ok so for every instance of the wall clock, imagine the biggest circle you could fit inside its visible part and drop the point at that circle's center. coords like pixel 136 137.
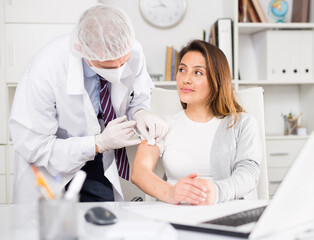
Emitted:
pixel 163 13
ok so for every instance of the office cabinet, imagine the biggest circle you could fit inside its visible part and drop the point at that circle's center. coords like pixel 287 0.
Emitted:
pixel 6 173
pixel 3 193
pixel 2 175
pixel 9 156
pixel 3 115
pixel 45 11
pixel 10 88
pixel 10 159
pixel 2 160
pixel 280 155
pixel 10 182
pixel 23 41
pixel 275 176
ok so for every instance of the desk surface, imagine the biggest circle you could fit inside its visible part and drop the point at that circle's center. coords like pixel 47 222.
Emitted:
pixel 21 222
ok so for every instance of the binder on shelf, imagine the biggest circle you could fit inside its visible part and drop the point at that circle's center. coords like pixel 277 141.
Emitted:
pixel 224 39
pixel 281 63
pixel 300 11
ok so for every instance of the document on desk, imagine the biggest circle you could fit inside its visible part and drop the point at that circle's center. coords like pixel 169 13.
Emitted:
pixel 187 214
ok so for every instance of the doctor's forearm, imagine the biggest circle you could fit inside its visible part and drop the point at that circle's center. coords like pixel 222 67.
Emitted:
pixel 54 154
pixel 69 155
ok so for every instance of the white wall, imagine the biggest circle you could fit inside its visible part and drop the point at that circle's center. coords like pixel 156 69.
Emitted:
pixel 200 14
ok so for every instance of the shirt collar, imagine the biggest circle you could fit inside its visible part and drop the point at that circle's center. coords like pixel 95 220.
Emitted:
pixel 88 72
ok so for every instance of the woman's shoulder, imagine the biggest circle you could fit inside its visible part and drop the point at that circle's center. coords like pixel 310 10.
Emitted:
pixel 242 117
pixel 246 117
pixel 244 120
pixel 246 123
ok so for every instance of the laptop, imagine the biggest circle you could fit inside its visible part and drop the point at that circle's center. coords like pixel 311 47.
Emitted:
pixel 292 204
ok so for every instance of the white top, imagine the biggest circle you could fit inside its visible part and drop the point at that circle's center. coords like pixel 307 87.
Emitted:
pixel 227 154
pixel 193 156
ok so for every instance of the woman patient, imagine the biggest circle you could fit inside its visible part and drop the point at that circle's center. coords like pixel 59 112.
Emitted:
pixel 212 152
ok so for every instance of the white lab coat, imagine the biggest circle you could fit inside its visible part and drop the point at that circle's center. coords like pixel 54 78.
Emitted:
pixel 53 123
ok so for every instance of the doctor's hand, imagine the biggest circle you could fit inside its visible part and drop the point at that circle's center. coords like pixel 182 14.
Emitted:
pixel 188 190
pixel 152 127
pixel 116 135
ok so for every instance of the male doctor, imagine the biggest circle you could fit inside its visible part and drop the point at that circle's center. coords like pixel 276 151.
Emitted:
pixel 74 108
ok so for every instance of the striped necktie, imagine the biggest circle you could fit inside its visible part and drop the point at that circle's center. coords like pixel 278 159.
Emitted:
pixel 107 115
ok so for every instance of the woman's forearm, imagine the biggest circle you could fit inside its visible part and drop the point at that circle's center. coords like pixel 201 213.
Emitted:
pixel 143 176
pixel 151 184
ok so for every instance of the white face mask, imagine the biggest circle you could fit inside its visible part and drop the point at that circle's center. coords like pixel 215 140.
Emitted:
pixel 112 75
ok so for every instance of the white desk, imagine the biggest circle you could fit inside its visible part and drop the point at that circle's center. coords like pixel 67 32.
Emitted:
pixel 20 222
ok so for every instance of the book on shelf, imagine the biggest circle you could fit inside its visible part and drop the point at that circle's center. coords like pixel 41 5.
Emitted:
pixel 168 63
pixel 172 62
pixel 300 10
pixel 251 11
pixel 212 38
pixel 222 36
pixel 176 65
pixel 258 9
pixel 243 11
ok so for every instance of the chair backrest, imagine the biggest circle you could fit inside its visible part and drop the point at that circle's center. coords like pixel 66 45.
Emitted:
pixel 166 102
pixel 252 100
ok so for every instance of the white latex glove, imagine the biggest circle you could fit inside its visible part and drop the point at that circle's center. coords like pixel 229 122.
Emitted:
pixel 117 135
pixel 152 127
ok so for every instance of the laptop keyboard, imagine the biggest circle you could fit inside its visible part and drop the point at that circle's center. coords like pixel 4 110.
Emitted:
pixel 240 218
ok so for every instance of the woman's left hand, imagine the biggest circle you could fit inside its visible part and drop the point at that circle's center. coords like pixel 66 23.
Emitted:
pixel 210 191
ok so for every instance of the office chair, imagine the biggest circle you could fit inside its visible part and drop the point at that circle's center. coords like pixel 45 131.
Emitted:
pixel 166 102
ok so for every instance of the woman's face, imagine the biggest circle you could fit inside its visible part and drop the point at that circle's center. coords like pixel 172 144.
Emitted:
pixel 192 83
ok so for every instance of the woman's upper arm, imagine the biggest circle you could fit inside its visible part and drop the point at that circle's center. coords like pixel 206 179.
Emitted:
pixel 249 142
pixel 146 156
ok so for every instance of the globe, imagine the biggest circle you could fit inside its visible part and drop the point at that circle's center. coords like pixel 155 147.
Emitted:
pixel 278 9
